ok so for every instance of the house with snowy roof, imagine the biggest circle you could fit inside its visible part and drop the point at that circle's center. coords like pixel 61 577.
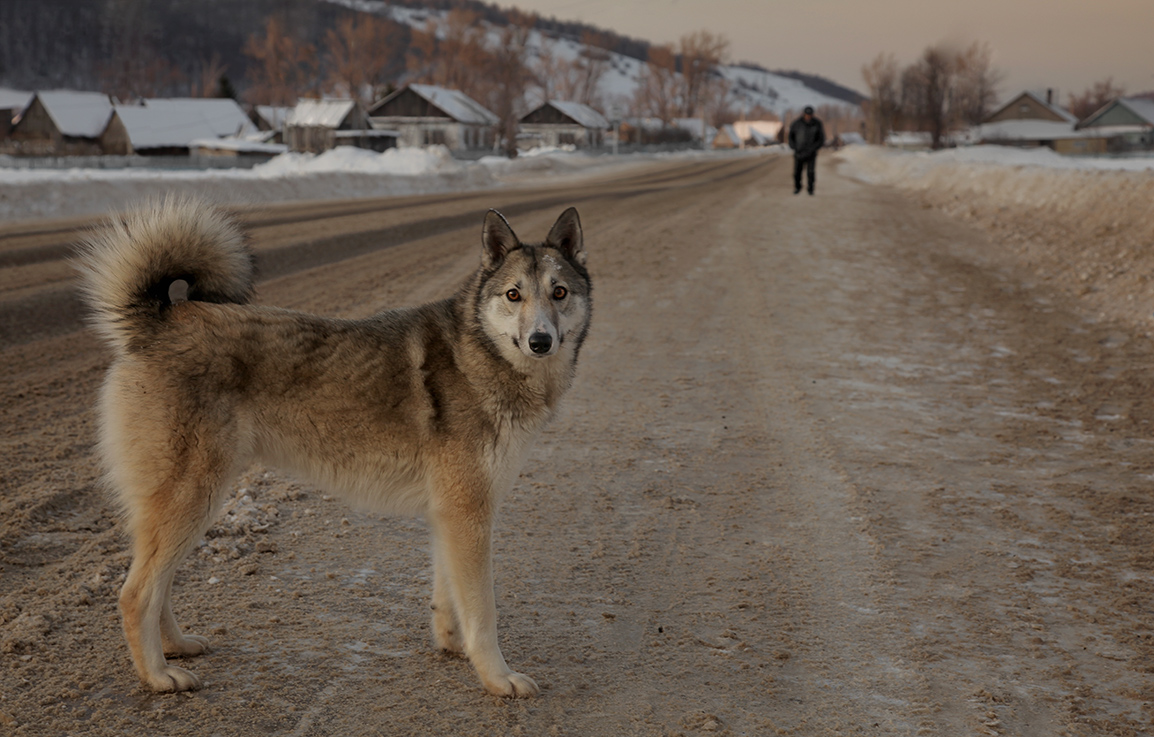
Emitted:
pixel 1127 122
pixel 271 119
pixel 426 115
pixel 1030 106
pixel 168 126
pixel 61 123
pixel 315 126
pixel 1028 120
pixel 562 123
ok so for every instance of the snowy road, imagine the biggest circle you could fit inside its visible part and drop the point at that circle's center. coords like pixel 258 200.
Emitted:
pixel 833 465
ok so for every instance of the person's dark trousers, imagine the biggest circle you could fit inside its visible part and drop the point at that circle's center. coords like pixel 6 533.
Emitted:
pixel 809 164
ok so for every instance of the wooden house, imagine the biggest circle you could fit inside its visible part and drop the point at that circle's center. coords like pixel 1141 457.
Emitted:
pixel 1127 124
pixel 315 126
pixel 62 123
pixel 727 138
pixel 271 119
pixel 168 126
pixel 425 115
pixel 561 123
pixel 1029 106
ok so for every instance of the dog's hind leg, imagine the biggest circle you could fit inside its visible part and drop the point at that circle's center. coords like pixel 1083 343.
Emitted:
pixel 462 522
pixel 165 526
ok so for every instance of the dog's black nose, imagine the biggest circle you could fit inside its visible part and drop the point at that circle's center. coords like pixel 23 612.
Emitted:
pixel 540 342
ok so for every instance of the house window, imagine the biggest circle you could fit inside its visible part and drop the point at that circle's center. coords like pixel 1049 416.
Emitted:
pixel 435 137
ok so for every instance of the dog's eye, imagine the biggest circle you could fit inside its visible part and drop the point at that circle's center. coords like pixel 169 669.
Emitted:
pixel 560 292
pixel 513 295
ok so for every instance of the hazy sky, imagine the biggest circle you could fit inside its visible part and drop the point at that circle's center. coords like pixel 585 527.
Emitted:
pixel 1063 44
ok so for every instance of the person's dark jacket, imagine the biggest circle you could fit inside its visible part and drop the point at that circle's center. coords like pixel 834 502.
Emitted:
pixel 806 138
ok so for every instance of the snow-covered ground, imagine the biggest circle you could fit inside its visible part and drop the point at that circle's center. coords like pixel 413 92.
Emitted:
pixel 345 172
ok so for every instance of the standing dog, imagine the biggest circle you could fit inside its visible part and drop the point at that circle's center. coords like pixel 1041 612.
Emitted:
pixel 428 410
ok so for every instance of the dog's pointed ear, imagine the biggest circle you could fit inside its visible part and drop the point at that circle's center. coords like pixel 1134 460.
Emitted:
pixel 497 239
pixel 566 236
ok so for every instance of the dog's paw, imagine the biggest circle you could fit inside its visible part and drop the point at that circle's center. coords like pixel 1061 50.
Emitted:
pixel 513 686
pixel 173 679
pixel 446 637
pixel 186 646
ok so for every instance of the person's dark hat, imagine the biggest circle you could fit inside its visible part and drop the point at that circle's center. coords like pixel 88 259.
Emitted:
pixel 808 110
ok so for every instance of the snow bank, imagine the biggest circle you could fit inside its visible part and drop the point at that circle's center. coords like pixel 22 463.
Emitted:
pixel 344 172
pixel 1085 225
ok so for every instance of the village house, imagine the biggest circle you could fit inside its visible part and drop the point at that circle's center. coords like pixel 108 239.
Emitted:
pixel 62 123
pixel 315 126
pixel 1126 124
pixel 271 119
pixel 167 127
pixel 425 115
pixel 561 123
pixel 727 138
pixel 1028 120
pixel 759 132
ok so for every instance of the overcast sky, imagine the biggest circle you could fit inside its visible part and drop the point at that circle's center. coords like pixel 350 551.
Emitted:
pixel 1063 44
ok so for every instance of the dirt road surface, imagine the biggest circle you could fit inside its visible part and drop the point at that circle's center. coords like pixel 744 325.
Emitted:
pixel 832 465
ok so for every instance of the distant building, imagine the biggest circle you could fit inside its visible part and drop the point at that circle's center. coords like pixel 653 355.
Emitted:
pixel 1127 122
pixel 271 119
pixel 315 126
pixel 61 123
pixel 168 126
pixel 727 137
pixel 425 115
pixel 759 132
pixel 561 123
pixel 1029 106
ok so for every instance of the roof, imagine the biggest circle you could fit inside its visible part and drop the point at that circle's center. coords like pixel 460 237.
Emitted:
pixel 164 123
pixel 1058 110
pixel 1025 130
pixel 221 114
pixel 323 113
pixel 456 104
pixel 1141 107
pixel 239 145
pixel 273 115
pixel 78 114
pixel 14 99
pixel 583 115
pixel 761 131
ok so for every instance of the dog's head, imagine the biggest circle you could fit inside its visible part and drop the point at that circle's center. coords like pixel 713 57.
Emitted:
pixel 535 299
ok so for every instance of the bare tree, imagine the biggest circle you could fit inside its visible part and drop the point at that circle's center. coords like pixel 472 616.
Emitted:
pixel 977 83
pixel 207 80
pixel 285 66
pixel 504 80
pixel 700 52
pixel 360 51
pixel 1094 97
pixel 881 109
pixel 927 92
pixel 659 92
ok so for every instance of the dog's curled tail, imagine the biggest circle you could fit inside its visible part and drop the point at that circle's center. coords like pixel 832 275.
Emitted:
pixel 132 269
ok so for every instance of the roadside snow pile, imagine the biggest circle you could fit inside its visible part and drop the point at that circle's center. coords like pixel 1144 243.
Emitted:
pixel 1085 223
pixel 342 173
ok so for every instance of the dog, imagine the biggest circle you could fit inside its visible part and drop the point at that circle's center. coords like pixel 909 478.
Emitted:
pixel 428 410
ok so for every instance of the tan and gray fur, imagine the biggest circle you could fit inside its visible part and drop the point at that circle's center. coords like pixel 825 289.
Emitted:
pixel 426 411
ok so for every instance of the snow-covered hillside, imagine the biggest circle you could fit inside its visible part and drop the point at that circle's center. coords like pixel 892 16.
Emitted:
pixel 749 89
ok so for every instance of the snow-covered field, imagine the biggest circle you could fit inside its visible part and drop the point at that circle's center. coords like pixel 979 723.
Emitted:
pixel 345 172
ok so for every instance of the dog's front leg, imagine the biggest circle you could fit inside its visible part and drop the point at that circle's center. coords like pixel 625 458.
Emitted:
pixel 462 533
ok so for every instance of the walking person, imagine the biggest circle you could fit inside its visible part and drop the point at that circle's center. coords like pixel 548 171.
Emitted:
pixel 806 136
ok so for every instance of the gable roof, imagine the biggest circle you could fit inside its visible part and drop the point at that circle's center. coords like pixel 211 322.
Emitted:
pixel 273 115
pixel 11 99
pixel 323 113
pixel 221 115
pixel 1058 110
pixel 581 114
pixel 77 114
pixel 453 103
pixel 1139 107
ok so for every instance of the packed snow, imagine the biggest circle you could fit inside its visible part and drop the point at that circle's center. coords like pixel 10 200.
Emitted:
pixel 343 172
